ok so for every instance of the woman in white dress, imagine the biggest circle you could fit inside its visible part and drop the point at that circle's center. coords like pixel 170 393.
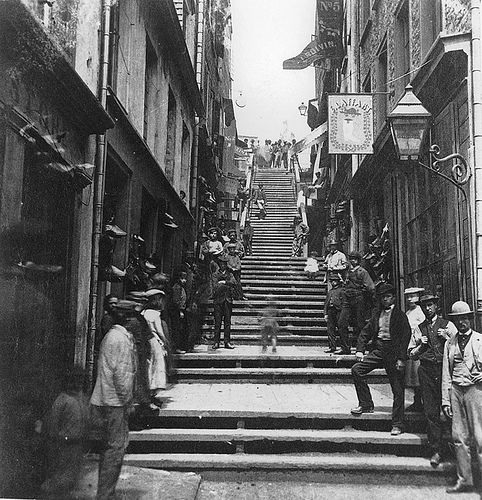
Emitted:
pixel 159 342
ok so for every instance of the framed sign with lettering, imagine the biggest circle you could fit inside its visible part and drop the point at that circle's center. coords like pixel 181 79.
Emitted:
pixel 350 124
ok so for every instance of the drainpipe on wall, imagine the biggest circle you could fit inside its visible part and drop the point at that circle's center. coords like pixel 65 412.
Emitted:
pixel 99 182
pixel 476 73
pixel 194 195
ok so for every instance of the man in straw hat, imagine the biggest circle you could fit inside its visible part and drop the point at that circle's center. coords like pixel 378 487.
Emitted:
pixel 426 348
pixel 462 393
pixel 415 317
pixel 335 260
pixel 388 333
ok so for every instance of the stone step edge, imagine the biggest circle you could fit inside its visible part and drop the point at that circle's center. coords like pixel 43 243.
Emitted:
pixel 307 435
pixel 344 416
pixel 333 463
pixel 287 372
pixel 222 355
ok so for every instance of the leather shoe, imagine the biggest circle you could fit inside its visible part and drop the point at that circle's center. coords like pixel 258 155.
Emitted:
pixel 228 345
pixel 460 487
pixel 215 346
pixel 329 350
pixel 360 409
pixel 435 460
pixel 396 431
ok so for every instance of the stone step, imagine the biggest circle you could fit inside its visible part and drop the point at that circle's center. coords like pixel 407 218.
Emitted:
pixel 273 375
pixel 343 467
pixel 283 340
pixel 253 263
pixel 253 353
pixel 294 329
pixel 282 301
pixel 288 312
pixel 280 263
pixel 284 435
pixel 283 321
pixel 299 295
pixel 302 290
pixel 282 282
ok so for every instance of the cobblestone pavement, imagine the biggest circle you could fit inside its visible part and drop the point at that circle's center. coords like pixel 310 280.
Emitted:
pixel 215 490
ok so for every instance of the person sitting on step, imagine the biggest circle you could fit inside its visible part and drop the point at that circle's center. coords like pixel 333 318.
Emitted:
pixel 312 267
pixel 388 333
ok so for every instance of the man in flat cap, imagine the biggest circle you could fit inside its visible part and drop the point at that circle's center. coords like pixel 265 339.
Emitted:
pixel 387 333
pixel 358 285
pixel 427 346
pixel 112 397
pixel 224 287
pixel 462 393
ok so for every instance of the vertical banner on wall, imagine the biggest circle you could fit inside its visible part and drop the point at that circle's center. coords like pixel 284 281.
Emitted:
pixel 330 22
pixel 350 124
pixel 328 42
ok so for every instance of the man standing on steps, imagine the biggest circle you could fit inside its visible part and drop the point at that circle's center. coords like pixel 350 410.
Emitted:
pixel 388 334
pixel 261 201
pixel 335 261
pixel 462 394
pixel 358 286
pixel 427 346
pixel 224 285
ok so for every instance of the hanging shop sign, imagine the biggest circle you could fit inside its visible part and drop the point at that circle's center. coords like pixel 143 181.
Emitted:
pixel 350 124
pixel 328 42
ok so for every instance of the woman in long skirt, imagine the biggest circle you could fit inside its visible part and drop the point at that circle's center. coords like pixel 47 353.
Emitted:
pixel 159 342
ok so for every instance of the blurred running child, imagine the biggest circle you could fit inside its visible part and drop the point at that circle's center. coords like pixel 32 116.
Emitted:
pixel 269 326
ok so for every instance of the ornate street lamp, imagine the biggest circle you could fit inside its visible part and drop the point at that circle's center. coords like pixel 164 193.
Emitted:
pixel 302 108
pixel 409 123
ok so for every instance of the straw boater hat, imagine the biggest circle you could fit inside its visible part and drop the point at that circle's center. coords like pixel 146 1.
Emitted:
pixel 460 308
pixel 153 291
pixel 413 290
pixel 428 297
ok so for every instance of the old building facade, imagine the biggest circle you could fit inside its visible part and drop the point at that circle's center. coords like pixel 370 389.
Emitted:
pixel 423 221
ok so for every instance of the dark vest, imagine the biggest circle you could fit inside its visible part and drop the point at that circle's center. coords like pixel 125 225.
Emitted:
pixel 435 350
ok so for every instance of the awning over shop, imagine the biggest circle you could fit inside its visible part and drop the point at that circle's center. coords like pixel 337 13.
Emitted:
pixel 316 136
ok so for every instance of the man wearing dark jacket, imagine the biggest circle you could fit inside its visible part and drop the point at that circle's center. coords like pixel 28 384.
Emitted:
pixel 427 345
pixel 223 285
pixel 387 335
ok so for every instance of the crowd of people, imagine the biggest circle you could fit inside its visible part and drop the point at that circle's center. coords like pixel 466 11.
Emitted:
pixel 440 359
pixel 272 154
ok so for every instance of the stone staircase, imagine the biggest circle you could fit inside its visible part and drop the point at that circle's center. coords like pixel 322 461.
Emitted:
pixel 244 411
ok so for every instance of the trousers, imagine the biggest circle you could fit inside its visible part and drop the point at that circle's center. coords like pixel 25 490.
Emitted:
pixel 381 357
pixel 466 427
pixel 430 376
pixel 353 309
pixel 112 422
pixel 222 312
pixel 334 325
